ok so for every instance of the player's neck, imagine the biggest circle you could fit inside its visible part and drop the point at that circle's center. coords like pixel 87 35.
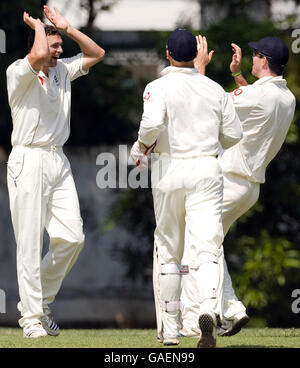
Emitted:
pixel 44 69
pixel 188 64
pixel 265 73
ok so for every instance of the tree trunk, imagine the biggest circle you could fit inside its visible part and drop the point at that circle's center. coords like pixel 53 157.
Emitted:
pixel 202 4
pixel 92 15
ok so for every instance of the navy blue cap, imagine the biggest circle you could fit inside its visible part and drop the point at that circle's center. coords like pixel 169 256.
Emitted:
pixel 182 45
pixel 273 48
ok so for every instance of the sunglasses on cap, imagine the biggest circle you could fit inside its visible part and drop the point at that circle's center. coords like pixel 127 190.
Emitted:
pixel 260 54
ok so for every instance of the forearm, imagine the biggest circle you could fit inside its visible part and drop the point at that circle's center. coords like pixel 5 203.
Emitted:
pixel 240 81
pixel 40 49
pixel 148 136
pixel 88 47
pixel 151 125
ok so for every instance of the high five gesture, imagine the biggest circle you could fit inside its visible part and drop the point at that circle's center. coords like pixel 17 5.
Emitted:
pixel 92 53
pixel 56 18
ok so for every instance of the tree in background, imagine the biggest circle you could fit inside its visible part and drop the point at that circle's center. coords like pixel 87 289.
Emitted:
pixel 94 7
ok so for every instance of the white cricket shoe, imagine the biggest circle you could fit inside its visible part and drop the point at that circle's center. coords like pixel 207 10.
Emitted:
pixel 171 326
pixel 186 332
pixel 232 327
pixel 167 340
pixel 208 328
pixel 49 324
pixel 35 330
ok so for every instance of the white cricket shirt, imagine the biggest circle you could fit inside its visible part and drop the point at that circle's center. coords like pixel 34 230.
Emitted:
pixel 196 111
pixel 266 109
pixel 40 105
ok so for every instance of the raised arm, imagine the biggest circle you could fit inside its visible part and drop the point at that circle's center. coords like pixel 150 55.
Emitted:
pixel 235 66
pixel 230 130
pixel 39 52
pixel 153 118
pixel 92 53
pixel 203 57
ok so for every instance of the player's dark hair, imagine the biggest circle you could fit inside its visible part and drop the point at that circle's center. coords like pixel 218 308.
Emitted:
pixel 49 30
pixel 276 69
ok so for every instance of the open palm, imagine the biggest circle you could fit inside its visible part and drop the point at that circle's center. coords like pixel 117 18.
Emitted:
pixel 236 62
pixel 56 18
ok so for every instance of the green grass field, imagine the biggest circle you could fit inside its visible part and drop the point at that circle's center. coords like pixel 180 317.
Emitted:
pixel 109 338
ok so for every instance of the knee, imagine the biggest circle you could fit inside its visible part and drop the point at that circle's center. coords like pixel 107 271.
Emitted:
pixel 77 241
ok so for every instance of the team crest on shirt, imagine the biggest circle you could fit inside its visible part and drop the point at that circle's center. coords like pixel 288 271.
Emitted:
pixel 146 96
pixel 56 80
pixel 237 92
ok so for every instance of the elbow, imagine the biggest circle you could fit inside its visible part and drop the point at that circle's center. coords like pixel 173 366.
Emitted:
pixel 228 142
pixel 100 54
pixel 226 145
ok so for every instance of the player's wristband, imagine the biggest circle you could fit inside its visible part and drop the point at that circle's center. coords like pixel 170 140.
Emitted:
pixel 236 74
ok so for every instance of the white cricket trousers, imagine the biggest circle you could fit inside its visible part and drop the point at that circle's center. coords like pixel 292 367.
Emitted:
pixel 239 196
pixel 188 196
pixel 42 195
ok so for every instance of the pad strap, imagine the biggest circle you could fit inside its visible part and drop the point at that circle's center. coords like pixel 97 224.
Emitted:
pixel 172 306
pixel 173 268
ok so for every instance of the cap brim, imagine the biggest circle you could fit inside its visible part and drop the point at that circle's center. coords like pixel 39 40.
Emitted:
pixel 254 45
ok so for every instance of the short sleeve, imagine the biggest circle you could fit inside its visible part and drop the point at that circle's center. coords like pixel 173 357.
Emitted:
pixel 152 122
pixel 245 97
pixel 20 75
pixel 74 66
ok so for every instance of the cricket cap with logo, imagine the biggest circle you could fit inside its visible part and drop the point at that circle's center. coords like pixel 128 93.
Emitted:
pixel 275 50
pixel 182 45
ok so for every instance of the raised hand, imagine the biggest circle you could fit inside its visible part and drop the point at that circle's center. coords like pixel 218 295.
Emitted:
pixel 30 21
pixel 92 53
pixel 203 57
pixel 56 18
pixel 236 62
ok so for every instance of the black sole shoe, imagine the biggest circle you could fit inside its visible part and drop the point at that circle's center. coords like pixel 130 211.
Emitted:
pixel 237 326
pixel 206 325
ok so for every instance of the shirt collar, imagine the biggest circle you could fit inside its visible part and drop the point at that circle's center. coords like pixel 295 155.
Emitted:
pixel 175 69
pixel 43 75
pixel 270 79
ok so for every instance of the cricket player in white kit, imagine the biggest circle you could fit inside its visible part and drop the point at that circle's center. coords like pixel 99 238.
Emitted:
pixel 198 116
pixel 266 110
pixel 41 188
